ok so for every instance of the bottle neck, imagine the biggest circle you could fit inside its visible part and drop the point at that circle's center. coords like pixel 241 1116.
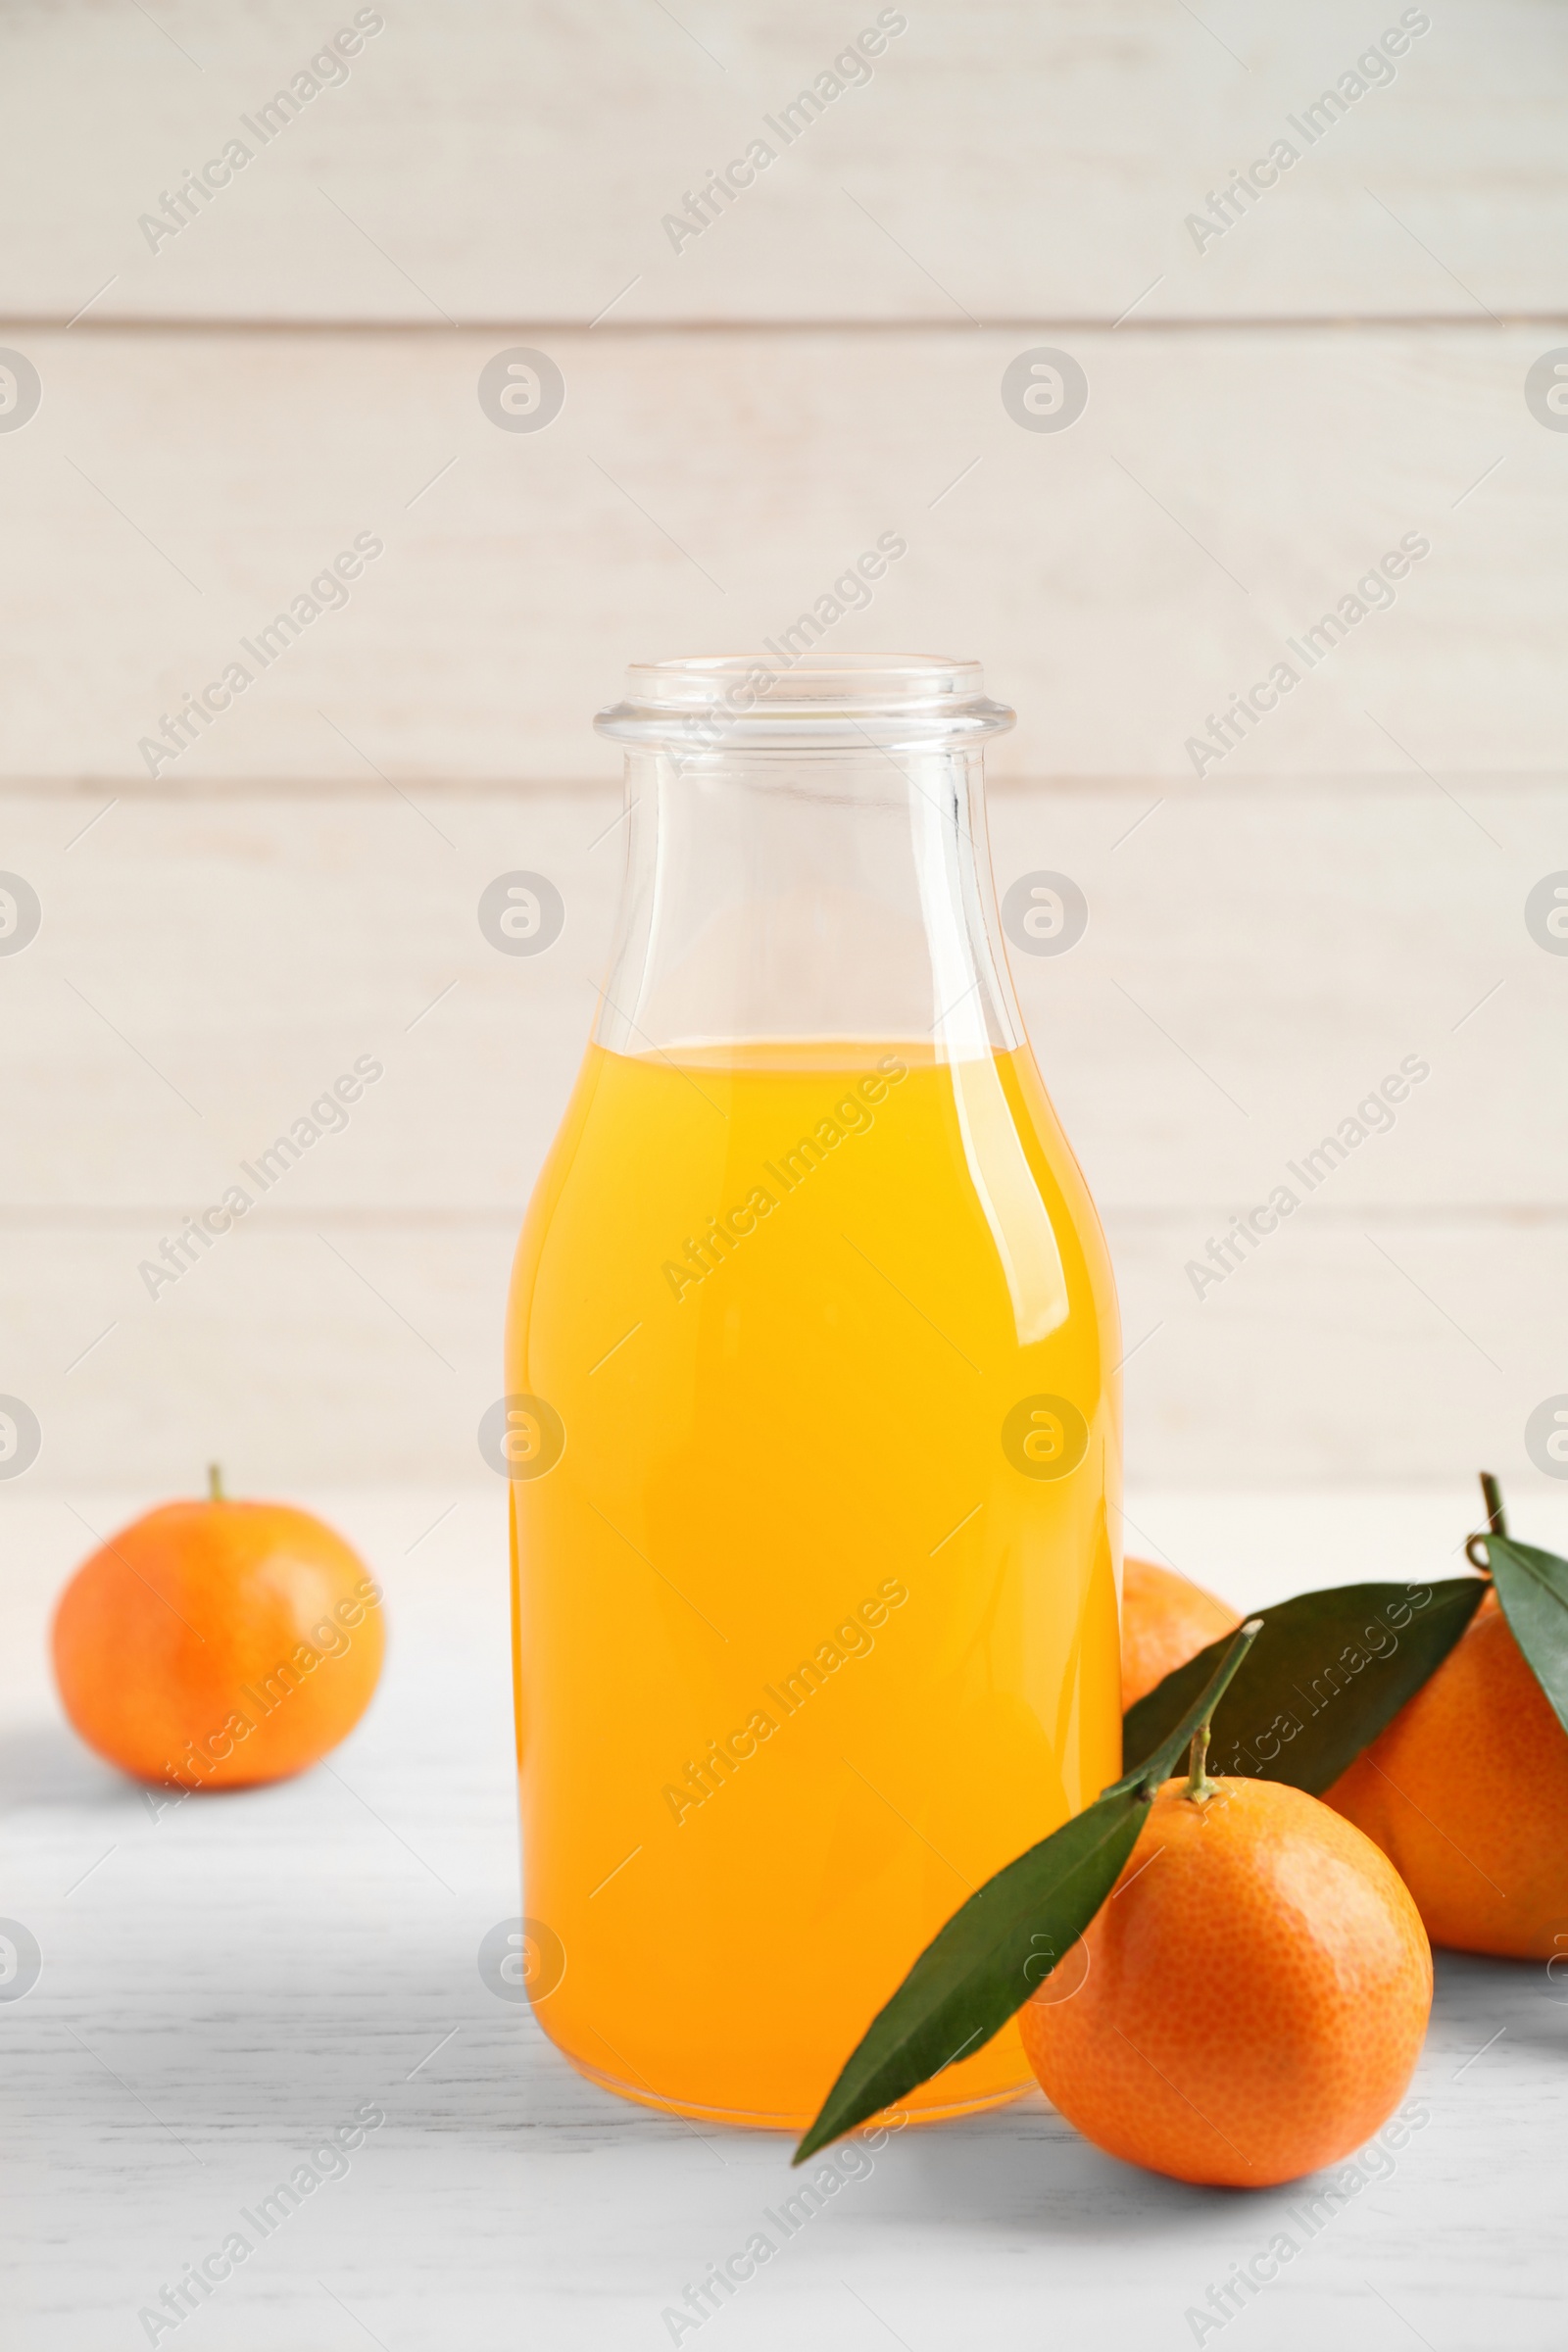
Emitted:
pixel 826 897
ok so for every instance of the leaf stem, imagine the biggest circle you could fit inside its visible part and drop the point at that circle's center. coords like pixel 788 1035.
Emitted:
pixel 215 1484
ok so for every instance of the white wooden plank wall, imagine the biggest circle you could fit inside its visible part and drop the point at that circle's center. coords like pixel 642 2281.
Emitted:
pixel 1005 160
pixel 1122 579
pixel 1345 366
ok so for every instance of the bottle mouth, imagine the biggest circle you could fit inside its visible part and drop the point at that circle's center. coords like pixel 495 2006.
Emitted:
pixel 709 703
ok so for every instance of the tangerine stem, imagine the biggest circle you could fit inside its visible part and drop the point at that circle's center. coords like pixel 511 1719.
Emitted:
pixel 215 1484
pixel 1475 1548
pixel 1200 1788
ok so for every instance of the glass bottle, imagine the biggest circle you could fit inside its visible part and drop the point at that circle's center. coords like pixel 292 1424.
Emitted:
pixel 811 1371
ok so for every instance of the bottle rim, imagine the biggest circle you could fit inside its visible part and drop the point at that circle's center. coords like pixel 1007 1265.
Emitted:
pixel 702 703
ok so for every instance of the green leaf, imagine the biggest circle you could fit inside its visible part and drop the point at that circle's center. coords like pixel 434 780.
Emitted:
pixel 967 1982
pixel 1533 1587
pixel 1328 1671
pixel 1006 1938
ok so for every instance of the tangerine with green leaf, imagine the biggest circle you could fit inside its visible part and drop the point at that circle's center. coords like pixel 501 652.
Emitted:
pixel 217 1645
pixel 1250 2002
pixel 1246 1983
pixel 1466 1790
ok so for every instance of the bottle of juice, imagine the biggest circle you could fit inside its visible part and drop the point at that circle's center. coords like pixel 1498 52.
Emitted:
pixel 814 1418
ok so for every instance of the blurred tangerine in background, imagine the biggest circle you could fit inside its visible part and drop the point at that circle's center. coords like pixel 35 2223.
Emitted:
pixel 217 1645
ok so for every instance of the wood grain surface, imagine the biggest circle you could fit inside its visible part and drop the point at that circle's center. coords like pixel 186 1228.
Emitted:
pixel 1123 580
pixel 998 160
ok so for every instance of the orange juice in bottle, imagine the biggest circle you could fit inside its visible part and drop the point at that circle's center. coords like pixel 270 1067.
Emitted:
pixel 815 1425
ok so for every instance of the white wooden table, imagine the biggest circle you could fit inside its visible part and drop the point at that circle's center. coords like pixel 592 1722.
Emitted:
pixel 226 1983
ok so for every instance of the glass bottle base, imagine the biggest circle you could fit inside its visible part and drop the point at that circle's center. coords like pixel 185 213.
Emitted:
pixel 928 2111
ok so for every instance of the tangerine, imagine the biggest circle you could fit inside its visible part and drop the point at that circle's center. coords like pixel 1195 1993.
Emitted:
pixel 1466 1792
pixel 1250 2002
pixel 216 1645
